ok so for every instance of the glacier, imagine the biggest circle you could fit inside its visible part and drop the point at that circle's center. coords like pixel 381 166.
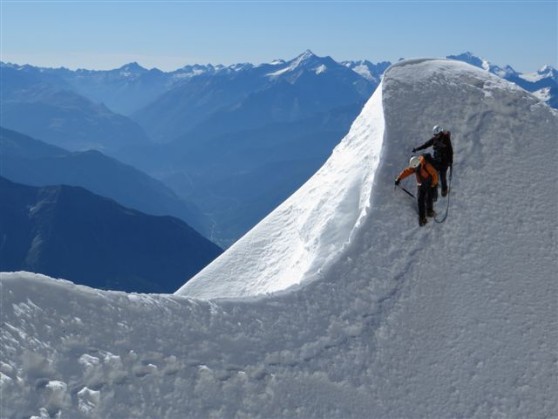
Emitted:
pixel 337 304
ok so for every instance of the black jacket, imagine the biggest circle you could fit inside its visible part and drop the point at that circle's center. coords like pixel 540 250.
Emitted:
pixel 441 144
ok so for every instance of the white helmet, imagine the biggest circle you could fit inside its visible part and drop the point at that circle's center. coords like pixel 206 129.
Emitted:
pixel 437 129
pixel 414 162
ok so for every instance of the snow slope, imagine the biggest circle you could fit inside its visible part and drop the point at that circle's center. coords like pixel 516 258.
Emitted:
pixel 375 317
pixel 308 231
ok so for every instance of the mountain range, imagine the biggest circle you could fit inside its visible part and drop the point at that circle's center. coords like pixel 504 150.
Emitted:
pixel 542 83
pixel 222 135
pixel 32 162
pixel 246 97
pixel 130 88
pixel 69 232
pixel 233 141
pixel 43 105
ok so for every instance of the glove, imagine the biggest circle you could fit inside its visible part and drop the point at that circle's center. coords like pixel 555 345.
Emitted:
pixel 414 150
pixel 397 182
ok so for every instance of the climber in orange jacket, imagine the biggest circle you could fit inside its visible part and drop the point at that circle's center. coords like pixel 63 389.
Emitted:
pixel 427 184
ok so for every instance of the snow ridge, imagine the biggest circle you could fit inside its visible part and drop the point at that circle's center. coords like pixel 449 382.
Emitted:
pixel 309 230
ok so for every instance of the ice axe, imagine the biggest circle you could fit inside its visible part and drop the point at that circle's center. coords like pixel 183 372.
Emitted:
pixel 405 190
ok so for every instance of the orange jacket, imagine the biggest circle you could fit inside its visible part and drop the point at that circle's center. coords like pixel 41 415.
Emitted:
pixel 424 172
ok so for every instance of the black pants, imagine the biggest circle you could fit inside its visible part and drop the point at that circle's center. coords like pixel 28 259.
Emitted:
pixel 443 170
pixel 425 199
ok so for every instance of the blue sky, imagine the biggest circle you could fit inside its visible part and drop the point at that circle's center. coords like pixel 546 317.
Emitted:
pixel 171 34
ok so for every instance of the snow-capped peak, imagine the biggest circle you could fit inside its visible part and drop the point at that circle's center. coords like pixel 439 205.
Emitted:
pixel 548 71
pixel 545 72
pixel 241 67
pixel 307 61
pixel 470 58
pixel 366 69
pixel 306 55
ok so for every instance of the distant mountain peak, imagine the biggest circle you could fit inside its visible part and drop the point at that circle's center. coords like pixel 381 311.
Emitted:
pixel 132 66
pixel 371 72
pixel 305 61
pixel 548 70
pixel 307 54
pixel 469 54
pixel 192 70
pixel 241 66
pixel 472 59
pixel 132 69
pixel 307 57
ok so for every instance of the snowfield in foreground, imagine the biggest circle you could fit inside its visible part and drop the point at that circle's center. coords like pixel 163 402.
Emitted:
pixel 337 304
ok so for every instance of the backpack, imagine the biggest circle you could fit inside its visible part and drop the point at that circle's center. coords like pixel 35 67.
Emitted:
pixel 442 147
pixel 428 157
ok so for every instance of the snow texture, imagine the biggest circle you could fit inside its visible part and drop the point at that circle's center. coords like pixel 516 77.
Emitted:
pixel 337 304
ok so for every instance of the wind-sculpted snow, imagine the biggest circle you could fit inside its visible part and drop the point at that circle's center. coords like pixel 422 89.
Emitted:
pixel 369 315
pixel 309 230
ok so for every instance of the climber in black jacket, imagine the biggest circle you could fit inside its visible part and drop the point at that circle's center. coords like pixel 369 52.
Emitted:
pixel 443 153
